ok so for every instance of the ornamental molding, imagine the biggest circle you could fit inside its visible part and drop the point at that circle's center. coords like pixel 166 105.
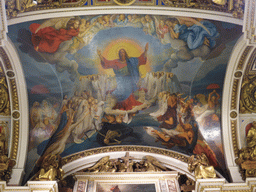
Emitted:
pixel 230 105
pixel 250 22
pixel 233 7
pixel 36 186
pixel 221 185
pixel 18 112
pixel 171 11
pixel 85 159
pixel 3 22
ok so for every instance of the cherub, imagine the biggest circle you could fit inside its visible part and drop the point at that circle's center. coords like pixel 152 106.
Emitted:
pixel 78 41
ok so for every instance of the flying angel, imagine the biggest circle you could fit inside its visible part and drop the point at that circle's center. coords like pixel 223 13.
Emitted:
pixel 48 36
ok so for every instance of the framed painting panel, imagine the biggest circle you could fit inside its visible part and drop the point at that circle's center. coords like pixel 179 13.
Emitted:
pixel 136 182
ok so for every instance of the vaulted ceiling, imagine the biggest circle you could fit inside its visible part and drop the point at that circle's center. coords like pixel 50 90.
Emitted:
pixel 86 79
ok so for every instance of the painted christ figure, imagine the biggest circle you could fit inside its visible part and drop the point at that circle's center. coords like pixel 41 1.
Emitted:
pixel 127 74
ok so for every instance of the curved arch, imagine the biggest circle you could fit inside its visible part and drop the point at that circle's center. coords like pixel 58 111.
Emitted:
pixel 230 108
pixel 19 105
pixel 70 167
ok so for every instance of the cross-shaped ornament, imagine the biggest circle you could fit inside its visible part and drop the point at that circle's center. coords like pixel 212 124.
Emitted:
pixel 126 160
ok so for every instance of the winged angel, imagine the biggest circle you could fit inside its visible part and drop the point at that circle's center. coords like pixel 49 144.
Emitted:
pixel 200 165
pixel 148 164
pixel 66 34
pixel 190 37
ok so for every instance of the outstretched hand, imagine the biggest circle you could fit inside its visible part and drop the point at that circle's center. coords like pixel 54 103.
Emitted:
pixel 146 47
pixel 99 52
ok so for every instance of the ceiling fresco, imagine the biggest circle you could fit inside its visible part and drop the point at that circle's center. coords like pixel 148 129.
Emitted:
pixel 104 80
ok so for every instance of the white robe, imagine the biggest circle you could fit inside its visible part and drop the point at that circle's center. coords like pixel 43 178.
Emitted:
pixel 82 121
pixel 162 108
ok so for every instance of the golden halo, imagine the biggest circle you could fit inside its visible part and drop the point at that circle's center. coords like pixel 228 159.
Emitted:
pixel 132 48
pixel 124 2
pixel 119 48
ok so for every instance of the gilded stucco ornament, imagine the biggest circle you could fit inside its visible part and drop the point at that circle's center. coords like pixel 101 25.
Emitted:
pixel 11 10
pixel 4 97
pixel 186 184
pixel 124 2
pixel 10 74
pixel 16 115
pixel 236 7
pixel 50 169
pixel 248 95
pixel 201 166
pixel 6 164
pixel 13 96
pixel 13 7
pixel 110 149
pixel 238 74
pixel 247 155
pixel 233 114
pixel 127 164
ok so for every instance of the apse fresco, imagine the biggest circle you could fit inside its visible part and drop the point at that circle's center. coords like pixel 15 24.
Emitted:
pixel 106 80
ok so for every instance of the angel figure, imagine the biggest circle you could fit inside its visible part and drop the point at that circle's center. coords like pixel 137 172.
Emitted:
pixel 78 41
pixel 100 166
pixel 193 32
pixel 162 32
pixel 48 36
pixel 201 166
pixel 51 169
pixel 153 164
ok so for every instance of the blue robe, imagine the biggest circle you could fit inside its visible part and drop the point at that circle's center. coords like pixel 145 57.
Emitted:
pixel 195 35
pixel 127 79
pixel 127 75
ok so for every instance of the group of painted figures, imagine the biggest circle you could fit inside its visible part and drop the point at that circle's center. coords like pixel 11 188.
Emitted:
pixel 179 120
pixel 82 116
pixel 48 36
pixel 107 104
pixel 89 105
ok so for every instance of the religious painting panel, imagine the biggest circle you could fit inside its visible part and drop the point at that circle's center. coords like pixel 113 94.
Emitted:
pixel 137 182
pixel 125 79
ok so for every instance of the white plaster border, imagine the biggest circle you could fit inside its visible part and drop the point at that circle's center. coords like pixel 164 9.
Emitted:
pixel 185 12
pixel 169 162
pixel 18 170
pixel 226 108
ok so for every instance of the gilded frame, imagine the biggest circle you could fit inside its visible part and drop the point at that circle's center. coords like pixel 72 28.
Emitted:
pixel 91 182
